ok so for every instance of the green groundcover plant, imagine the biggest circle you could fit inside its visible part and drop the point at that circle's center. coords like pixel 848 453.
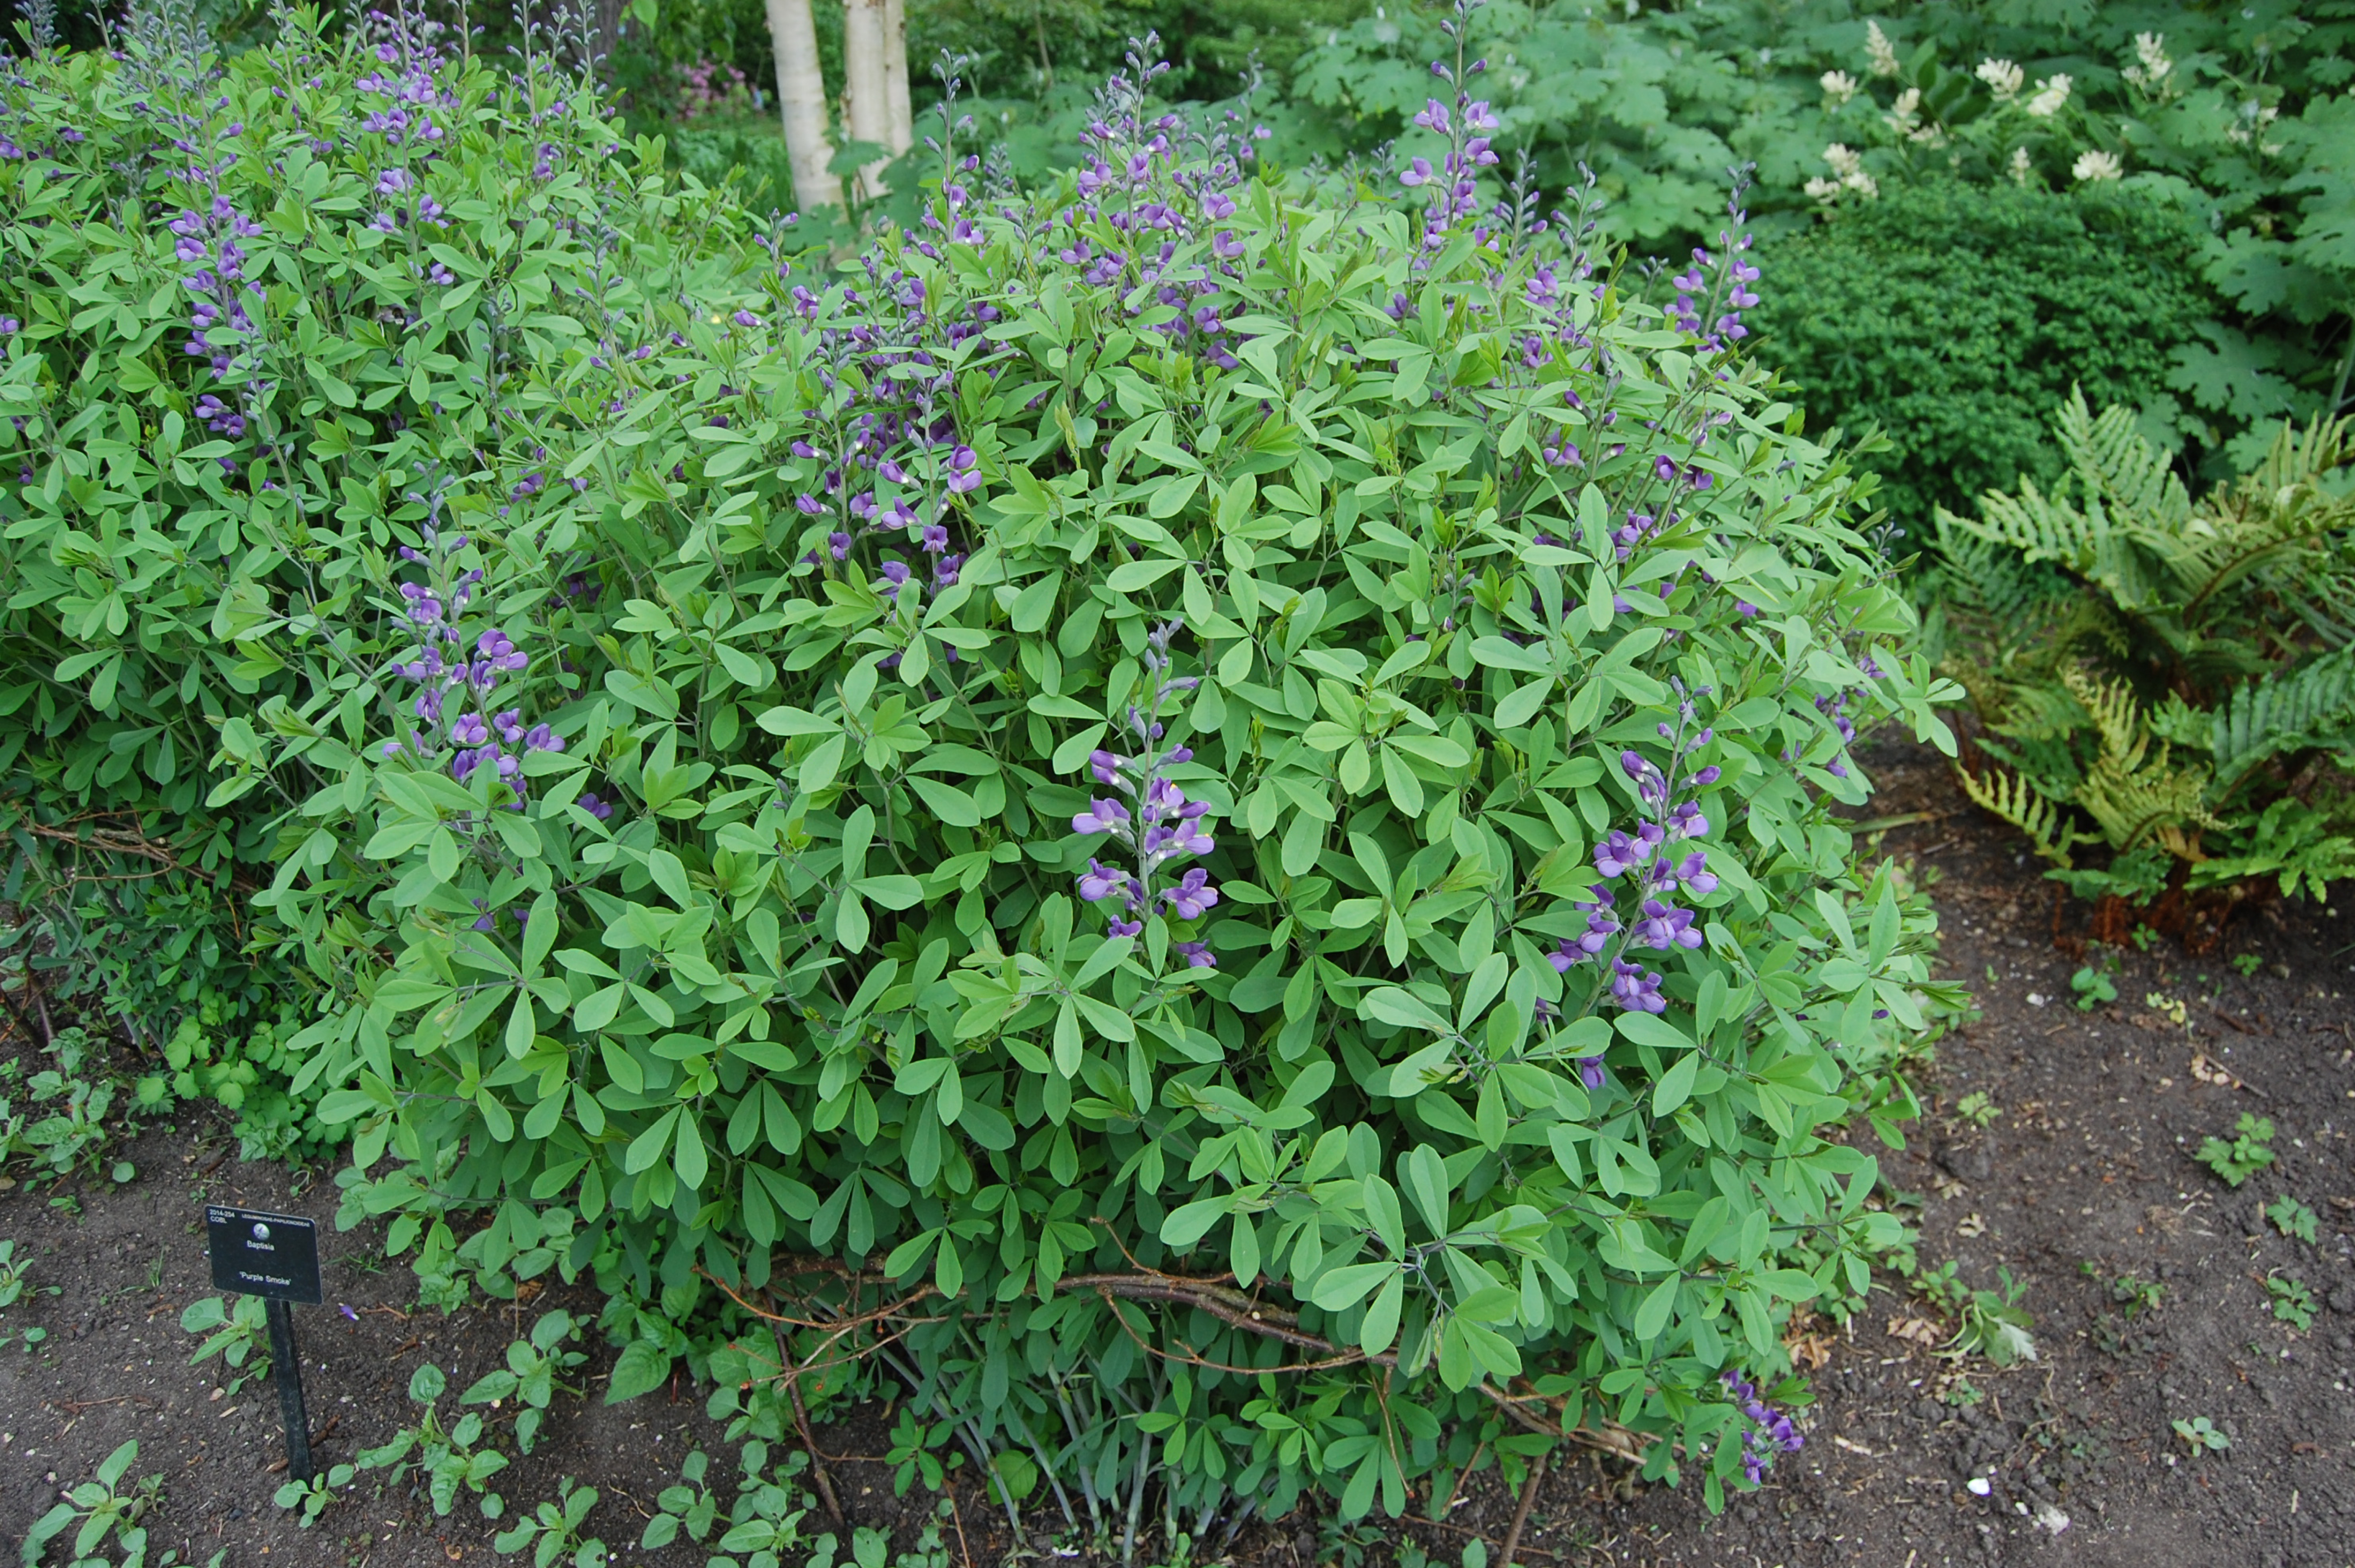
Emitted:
pixel 1196 814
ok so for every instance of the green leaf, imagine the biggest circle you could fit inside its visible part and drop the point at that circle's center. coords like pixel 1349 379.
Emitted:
pixel 642 1367
pixel 1339 1290
pixel 1424 1176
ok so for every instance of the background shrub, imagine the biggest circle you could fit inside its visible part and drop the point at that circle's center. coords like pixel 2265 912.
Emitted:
pixel 1181 724
pixel 1955 317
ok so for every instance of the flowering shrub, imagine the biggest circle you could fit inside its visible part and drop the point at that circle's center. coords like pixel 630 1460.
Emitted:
pixel 1191 812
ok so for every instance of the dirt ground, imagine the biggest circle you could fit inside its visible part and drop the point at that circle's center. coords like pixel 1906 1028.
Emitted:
pixel 2083 1178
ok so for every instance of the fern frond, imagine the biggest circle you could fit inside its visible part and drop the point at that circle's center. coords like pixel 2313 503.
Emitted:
pixel 2038 527
pixel 2118 471
pixel 2135 798
pixel 2117 714
pixel 2307 706
pixel 2036 710
pixel 2012 798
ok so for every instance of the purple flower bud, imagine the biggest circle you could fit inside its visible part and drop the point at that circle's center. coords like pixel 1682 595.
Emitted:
pixel 1590 1071
pixel 1196 954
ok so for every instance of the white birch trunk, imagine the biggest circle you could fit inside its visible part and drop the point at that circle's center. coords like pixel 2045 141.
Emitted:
pixel 895 77
pixel 801 102
pixel 868 89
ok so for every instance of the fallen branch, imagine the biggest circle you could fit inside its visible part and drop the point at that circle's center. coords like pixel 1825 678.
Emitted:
pixel 1522 1514
pixel 1211 1294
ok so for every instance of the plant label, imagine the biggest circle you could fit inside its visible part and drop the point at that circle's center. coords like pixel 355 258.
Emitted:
pixel 255 1253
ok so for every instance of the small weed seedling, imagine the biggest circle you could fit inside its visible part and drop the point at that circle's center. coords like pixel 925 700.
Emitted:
pixel 530 1376
pixel 2093 987
pixel 2242 1158
pixel 2204 1436
pixel 313 1496
pixel 102 1508
pixel 2248 964
pixel 2173 1009
pixel 552 1531
pixel 690 1506
pixel 13 1289
pixel 916 1449
pixel 2129 1290
pixel 2292 1218
pixel 241 1335
pixel 2293 1302
pixel 766 1522
pixel 1988 1323
pixel 445 1455
pixel 1978 1108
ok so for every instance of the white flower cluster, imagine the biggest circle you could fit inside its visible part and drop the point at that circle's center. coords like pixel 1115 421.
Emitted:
pixel 2097 165
pixel 2253 117
pixel 1847 169
pixel 2003 78
pixel 2152 69
pixel 2049 96
pixel 1839 87
pixel 1879 51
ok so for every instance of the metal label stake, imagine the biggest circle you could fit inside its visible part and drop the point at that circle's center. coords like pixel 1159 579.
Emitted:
pixel 276 1257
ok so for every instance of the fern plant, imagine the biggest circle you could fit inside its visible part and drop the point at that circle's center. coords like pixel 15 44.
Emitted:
pixel 2166 678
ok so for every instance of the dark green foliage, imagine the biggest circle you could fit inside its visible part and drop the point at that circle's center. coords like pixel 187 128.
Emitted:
pixel 1955 317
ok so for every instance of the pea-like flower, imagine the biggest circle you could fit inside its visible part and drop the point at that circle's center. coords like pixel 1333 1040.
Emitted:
pixel 1635 988
pixel 1620 853
pixel 1192 895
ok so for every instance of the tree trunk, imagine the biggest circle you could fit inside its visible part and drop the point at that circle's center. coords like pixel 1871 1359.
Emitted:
pixel 895 76
pixel 609 36
pixel 868 89
pixel 801 101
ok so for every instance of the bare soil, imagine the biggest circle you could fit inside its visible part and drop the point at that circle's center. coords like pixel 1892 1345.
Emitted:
pixel 2083 1177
